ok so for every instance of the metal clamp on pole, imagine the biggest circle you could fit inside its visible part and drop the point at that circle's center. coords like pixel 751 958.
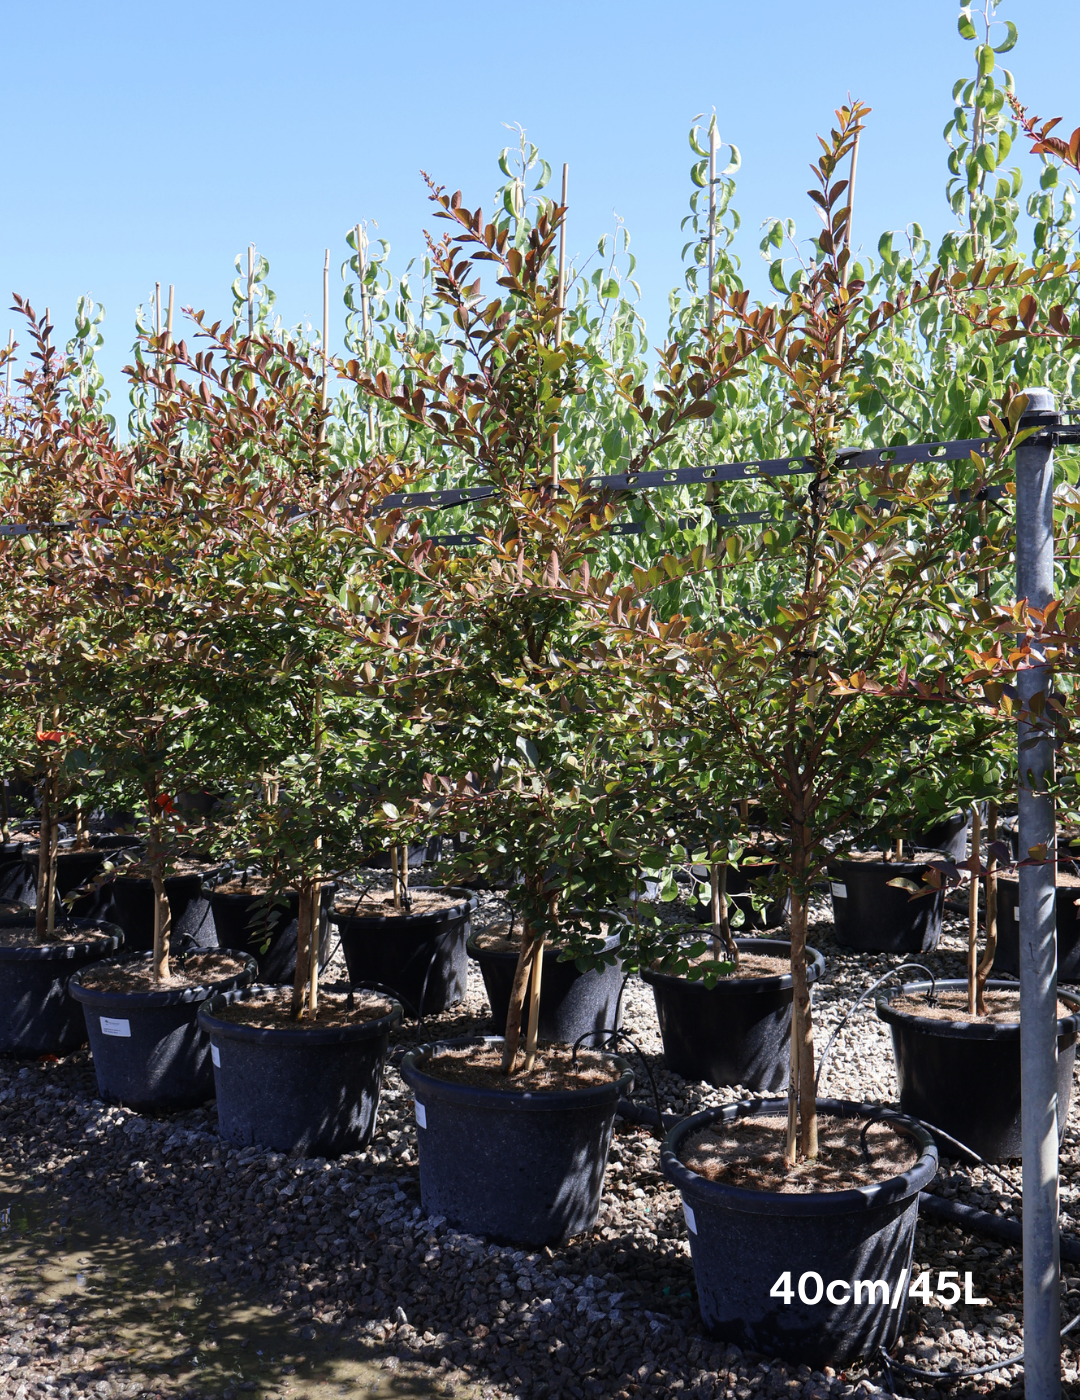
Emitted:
pixel 1038 926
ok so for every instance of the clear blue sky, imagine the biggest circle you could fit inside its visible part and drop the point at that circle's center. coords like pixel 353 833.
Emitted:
pixel 149 141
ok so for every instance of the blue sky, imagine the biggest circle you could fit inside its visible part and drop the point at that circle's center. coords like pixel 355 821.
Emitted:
pixel 148 142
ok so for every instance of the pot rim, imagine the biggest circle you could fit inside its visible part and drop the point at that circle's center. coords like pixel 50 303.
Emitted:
pixel 122 877
pixel 799 1204
pixel 611 943
pixel 903 864
pixel 469 899
pixel 966 1030
pixel 106 932
pixel 301 1034
pixel 815 967
pixel 98 998
pixel 509 1100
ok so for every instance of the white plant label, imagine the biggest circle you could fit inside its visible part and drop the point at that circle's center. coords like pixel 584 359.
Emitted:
pixel 111 1025
pixel 840 891
pixel 691 1222
pixel 215 1055
pixel 421 1115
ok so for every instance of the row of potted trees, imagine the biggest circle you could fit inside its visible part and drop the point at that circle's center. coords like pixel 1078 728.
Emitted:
pixel 231 602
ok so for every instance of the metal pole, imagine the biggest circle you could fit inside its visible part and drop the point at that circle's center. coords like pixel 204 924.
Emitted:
pixel 1038 932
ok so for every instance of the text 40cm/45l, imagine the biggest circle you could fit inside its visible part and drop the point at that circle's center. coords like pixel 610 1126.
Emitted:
pixel 812 1289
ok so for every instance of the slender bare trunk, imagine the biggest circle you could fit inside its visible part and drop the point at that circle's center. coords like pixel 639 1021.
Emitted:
pixel 534 1003
pixel 982 972
pixel 722 940
pixel 82 839
pixel 973 909
pixel 512 1032
pixel 162 914
pixel 310 893
pixel 802 1027
pixel 405 875
pixel 303 950
pixel 45 915
pixel 899 848
pixel 394 872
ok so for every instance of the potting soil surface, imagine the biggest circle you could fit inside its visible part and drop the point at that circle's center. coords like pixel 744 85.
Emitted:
pixel 343 1254
pixel 272 1007
pixel 196 970
pixel 381 905
pixel 497 939
pixel 255 885
pixel 1002 1007
pixel 553 1070
pixel 750 1153
pixel 23 936
pixel 750 965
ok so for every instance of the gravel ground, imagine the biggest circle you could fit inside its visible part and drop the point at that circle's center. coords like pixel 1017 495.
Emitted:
pixel 342 1253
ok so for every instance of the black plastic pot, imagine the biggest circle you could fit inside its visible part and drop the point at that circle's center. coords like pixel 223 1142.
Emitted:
pixel 873 916
pixel 739 1032
pixel 37 1017
pixel 307 1089
pixel 744 1242
pixel 131 905
pixel 244 925
pixel 740 888
pixel 964 1077
pixel 73 869
pixel 17 879
pixel 149 1052
pixel 380 859
pixel 949 836
pixel 420 957
pixel 517 1167
pixel 1007 957
pixel 572 1003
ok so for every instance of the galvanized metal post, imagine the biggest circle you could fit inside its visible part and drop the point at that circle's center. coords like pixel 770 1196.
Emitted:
pixel 1038 932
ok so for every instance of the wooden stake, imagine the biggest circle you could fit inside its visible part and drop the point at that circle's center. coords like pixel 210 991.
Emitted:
pixel 790 1149
pixel 899 848
pixel 560 307
pixel 326 327
pixel 973 909
pixel 712 214
pixel 394 872
pixel 11 348
pixel 313 897
pixel 157 310
pixel 537 973
pixel 251 289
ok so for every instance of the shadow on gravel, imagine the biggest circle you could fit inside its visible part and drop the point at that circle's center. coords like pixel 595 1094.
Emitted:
pixel 80 1307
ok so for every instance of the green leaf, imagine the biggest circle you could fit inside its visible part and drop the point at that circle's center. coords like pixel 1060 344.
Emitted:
pixel 964 24
pixel 1009 41
pixel 610 289
pixel 528 749
pixel 390 810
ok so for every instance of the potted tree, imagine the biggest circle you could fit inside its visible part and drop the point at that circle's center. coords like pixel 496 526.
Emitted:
pixel 513 669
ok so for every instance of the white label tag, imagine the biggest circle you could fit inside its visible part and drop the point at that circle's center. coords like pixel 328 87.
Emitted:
pixel 111 1026
pixel 691 1223
pixel 839 891
pixel 421 1115
pixel 215 1055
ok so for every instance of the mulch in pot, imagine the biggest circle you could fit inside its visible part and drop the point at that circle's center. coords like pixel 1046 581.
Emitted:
pixel 553 1070
pixel 195 970
pixel 271 1008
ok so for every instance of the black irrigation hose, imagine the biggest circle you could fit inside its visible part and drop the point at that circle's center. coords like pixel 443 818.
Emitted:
pixel 853 1008
pixel 614 1033
pixel 890 1365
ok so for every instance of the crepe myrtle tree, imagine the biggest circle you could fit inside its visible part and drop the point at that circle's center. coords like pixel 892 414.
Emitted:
pixel 512 662
pixel 294 599
pixel 52 491
pixel 849 580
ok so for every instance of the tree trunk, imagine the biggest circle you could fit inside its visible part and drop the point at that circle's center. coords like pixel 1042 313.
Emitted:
pixel 45 915
pixel 303 951
pixel 982 972
pixel 973 909
pixel 512 1031
pixel 394 873
pixel 310 892
pixel 162 913
pixel 534 1004
pixel 802 1027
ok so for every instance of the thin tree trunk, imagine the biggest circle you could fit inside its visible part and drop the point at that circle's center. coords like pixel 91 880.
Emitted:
pixel 982 972
pixel 534 1004
pixel 721 935
pixel 973 909
pixel 5 813
pixel 802 1027
pixel 394 872
pixel 512 1031
pixel 303 949
pixel 45 914
pixel 162 913
pixel 405 876
pixel 311 894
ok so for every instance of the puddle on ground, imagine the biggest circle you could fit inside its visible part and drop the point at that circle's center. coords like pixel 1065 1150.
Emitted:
pixel 143 1312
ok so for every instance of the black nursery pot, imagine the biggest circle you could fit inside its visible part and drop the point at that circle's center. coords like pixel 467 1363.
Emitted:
pixel 421 958
pixel 1007 957
pixel 743 1242
pixel 516 1167
pixel 307 1089
pixel 740 885
pixel 37 1017
pixel 572 1003
pixel 149 1052
pixel 739 1032
pixel 73 869
pixel 244 925
pixel 873 916
pixel 131 905
pixel 949 836
pixel 964 1077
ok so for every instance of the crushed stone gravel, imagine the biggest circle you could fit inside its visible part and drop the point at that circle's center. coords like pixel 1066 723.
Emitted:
pixel 344 1250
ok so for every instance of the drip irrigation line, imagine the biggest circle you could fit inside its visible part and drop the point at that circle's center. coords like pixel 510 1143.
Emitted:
pixel 891 1365
pixel 615 1033
pixel 895 972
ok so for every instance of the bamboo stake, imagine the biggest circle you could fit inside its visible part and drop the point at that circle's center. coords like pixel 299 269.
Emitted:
pixel 899 848
pixel 982 972
pixel 790 1150
pixel 712 215
pixel 559 307
pixel 326 327
pixel 11 348
pixel 394 871
pixel 534 1004
pixel 169 319
pixel 157 310
pixel 973 907
pixel 251 289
